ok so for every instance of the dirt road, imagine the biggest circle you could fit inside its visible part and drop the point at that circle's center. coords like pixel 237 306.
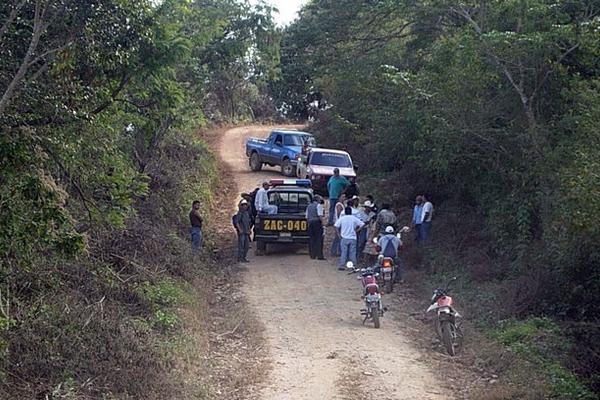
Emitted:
pixel 319 347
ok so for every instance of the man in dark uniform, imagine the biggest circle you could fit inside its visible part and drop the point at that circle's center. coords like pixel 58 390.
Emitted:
pixel 243 226
pixel 314 215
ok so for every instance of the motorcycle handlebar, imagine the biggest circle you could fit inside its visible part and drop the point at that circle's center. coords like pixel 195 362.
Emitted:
pixel 447 288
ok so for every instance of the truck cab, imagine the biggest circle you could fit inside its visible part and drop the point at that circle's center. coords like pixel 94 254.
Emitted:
pixel 289 224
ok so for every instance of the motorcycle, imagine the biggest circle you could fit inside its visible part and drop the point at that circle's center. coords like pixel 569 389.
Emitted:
pixel 387 265
pixel 373 305
pixel 447 321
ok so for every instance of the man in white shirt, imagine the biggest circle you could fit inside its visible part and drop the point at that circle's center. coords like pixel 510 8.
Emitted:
pixel 347 226
pixel 262 201
pixel 338 212
pixel 426 214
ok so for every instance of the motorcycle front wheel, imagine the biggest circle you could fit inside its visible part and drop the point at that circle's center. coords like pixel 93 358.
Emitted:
pixel 375 316
pixel 389 286
pixel 448 332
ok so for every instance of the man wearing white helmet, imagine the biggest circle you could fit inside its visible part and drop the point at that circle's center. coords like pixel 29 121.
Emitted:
pixel 390 245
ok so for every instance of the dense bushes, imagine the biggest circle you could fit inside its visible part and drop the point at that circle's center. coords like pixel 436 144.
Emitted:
pixel 491 108
pixel 98 164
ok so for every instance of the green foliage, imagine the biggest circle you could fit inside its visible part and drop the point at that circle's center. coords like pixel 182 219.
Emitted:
pixel 164 293
pixel 488 105
pixel 100 102
pixel 540 340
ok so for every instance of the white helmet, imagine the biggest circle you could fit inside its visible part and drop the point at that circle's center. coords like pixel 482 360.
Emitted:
pixel 389 229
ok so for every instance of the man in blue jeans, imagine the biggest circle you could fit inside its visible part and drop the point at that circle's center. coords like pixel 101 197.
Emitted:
pixel 427 214
pixel 335 187
pixel 347 226
pixel 196 223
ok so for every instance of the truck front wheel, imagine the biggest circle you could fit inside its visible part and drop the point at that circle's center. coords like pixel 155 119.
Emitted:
pixel 261 248
pixel 255 164
pixel 287 168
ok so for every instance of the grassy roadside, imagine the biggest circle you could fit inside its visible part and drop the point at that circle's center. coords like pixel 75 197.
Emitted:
pixel 522 357
pixel 138 315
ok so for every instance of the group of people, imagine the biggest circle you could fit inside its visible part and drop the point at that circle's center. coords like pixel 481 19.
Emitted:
pixel 355 224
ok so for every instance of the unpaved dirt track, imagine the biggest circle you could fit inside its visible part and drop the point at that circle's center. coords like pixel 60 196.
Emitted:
pixel 316 339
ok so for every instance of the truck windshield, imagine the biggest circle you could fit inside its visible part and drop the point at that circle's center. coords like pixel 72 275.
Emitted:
pixel 298 140
pixel 331 160
pixel 290 202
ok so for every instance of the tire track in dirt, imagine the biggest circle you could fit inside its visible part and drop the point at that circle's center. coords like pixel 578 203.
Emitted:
pixel 318 345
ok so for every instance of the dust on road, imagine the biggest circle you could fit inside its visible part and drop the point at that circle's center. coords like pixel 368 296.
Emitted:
pixel 318 345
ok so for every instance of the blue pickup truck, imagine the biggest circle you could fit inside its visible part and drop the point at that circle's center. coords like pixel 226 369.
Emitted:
pixel 282 148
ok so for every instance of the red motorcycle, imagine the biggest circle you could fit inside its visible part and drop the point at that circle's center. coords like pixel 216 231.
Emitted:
pixel 373 305
pixel 447 323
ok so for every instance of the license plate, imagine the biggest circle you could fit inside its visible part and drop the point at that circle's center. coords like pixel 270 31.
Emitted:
pixel 284 226
pixel 387 270
pixel 372 298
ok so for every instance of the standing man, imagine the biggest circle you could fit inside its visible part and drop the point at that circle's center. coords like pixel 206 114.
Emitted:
pixel 372 200
pixel 196 223
pixel 335 186
pixel 262 200
pixel 338 212
pixel 385 218
pixel 364 214
pixel 314 216
pixel 416 220
pixel 347 226
pixel 352 189
pixel 243 227
pixel 427 213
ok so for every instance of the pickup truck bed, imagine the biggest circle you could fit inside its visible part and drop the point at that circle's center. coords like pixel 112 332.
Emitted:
pixel 282 148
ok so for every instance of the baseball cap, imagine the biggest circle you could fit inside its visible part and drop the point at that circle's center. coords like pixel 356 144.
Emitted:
pixel 389 229
pixel 244 202
pixel 367 204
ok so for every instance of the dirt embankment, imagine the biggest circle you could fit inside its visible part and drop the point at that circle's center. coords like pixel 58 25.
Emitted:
pixel 315 344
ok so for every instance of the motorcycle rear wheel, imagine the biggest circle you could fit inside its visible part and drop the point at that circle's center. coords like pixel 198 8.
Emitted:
pixel 447 329
pixel 375 316
pixel 389 286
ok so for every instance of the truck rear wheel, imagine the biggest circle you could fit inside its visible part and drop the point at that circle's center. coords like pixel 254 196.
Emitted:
pixel 287 168
pixel 261 248
pixel 255 164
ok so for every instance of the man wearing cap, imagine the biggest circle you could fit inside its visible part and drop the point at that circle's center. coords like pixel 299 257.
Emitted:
pixel 390 244
pixel 365 214
pixel 314 216
pixel 386 217
pixel 243 228
pixel 262 200
pixel 335 187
